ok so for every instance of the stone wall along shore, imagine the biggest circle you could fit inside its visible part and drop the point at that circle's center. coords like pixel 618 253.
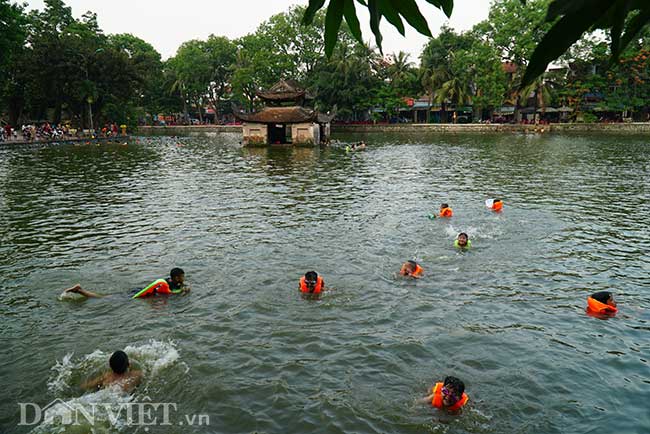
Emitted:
pixel 212 130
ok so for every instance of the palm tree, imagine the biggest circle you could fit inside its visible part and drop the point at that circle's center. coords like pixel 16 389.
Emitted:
pixel 400 68
pixel 542 93
pixel 432 80
pixel 455 91
pixel 179 86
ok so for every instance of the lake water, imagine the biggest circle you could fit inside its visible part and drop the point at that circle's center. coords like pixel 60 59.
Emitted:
pixel 247 352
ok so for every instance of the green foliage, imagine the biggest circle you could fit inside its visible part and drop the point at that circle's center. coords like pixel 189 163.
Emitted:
pixel 625 20
pixel 54 65
pixel 221 54
pixel 394 12
pixel 13 34
pixel 589 118
pixel 68 67
pixel 515 29
pixel 203 72
pixel 147 67
pixel 566 21
pixel 461 69
pixel 348 81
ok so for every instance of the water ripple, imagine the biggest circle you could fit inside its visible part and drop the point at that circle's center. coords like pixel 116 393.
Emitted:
pixel 507 316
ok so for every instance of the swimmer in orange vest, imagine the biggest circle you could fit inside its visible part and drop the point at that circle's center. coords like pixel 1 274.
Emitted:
pixel 120 375
pixel 311 283
pixel 495 205
pixel 601 303
pixel 445 211
pixel 448 395
pixel 175 285
pixel 411 269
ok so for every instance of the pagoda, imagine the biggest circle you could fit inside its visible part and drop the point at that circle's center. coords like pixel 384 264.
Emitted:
pixel 285 119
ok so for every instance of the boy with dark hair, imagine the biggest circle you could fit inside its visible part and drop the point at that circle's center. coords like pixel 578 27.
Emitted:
pixel 311 283
pixel 445 212
pixel 411 268
pixel 175 282
pixel 601 302
pixel 449 395
pixel 120 374
pixel 176 279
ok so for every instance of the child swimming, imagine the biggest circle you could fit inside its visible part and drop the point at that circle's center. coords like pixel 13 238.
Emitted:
pixel 448 395
pixel 174 284
pixel 462 242
pixel 120 374
pixel 411 269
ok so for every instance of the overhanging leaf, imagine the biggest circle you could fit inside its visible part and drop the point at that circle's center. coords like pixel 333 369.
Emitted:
pixel 619 13
pixel 333 20
pixel 558 8
pixel 447 6
pixel 351 18
pixel 387 9
pixel 410 11
pixel 310 12
pixel 560 37
pixel 634 26
pixel 375 19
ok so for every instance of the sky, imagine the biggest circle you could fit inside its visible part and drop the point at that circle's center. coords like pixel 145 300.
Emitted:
pixel 167 24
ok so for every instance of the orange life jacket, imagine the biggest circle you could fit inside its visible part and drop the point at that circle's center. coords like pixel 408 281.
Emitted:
pixel 596 306
pixel 437 399
pixel 446 212
pixel 416 273
pixel 497 206
pixel 317 289
pixel 160 286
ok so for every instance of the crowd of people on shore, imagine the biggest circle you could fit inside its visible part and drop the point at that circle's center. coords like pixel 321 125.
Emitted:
pixel 36 132
pixel 46 131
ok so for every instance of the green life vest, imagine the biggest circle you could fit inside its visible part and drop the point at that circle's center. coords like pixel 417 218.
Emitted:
pixel 469 244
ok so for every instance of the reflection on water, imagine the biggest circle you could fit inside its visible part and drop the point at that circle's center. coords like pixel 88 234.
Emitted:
pixel 507 316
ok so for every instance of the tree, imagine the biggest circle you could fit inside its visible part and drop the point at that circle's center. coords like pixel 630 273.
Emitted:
pixel 13 34
pixel 350 82
pixel 299 48
pixel 540 90
pixel 221 54
pixel 282 47
pixel 439 68
pixel 193 70
pixel 255 68
pixel 49 72
pixel 148 68
pixel 455 90
pixel 402 75
pixel 68 68
pixel 479 65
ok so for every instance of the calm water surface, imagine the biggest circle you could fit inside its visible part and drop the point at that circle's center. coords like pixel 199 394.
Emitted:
pixel 246 350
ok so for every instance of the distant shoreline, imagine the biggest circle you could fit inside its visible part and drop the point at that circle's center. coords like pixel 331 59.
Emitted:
pixel 114 139
pixel 212 130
